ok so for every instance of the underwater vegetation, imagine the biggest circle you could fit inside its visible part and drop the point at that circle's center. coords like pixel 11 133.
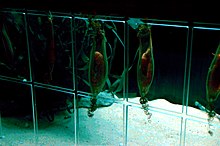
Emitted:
pixel 50 45
pixel 13 60
pixel 50 50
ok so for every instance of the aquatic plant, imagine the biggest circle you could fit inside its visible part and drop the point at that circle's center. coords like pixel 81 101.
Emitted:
pixel 12 56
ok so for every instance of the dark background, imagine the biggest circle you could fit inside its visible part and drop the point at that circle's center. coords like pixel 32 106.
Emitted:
pixel 191 11
pixel 186 10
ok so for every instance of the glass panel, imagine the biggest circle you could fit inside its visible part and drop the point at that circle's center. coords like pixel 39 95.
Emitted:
pixel 161 129
pixel 100 54
pixel 50 40
pixel 145 59
pixel 157 54
pixel 16 114
pixel 55 117
pixel 13 46
pixel 204 80
pixel 104 128
pixel 197 134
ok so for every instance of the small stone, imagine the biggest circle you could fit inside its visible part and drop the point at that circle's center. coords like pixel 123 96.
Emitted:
pixel 103 99
pixel 210 132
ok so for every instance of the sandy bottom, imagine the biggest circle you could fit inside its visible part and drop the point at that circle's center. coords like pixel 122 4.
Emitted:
pixel 117 125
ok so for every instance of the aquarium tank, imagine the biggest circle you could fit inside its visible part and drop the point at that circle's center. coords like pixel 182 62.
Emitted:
pixel 84 79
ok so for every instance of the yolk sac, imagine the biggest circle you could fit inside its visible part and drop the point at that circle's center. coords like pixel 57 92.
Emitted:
pixel 213 81
pixel 145 71
pixel 97 72
pixel 213 78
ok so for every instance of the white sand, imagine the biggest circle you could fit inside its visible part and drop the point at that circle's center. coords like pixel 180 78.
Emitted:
pixel 108 127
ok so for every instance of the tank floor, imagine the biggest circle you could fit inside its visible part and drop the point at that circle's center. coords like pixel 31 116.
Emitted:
pixel 107 126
